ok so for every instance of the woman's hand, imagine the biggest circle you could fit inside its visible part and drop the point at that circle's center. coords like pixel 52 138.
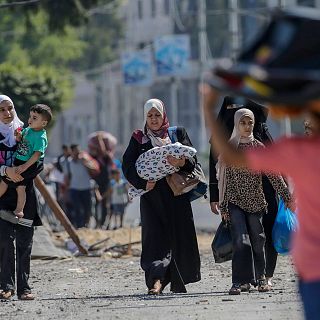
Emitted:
pixel 150 185
pixel 291 205
pixel 215 207
pixel 225 216
pixel 21 168
pixel 13 175
pixel 176 162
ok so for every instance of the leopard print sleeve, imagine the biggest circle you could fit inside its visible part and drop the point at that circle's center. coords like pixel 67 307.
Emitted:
pixel 280 187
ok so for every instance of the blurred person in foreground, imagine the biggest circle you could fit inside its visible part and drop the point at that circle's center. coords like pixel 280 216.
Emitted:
pixel 287 76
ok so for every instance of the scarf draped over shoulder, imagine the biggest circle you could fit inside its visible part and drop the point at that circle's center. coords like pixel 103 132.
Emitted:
pixel 235 139
pixel 159 137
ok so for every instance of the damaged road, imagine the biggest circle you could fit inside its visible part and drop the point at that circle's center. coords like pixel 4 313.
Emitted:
pixel 105 288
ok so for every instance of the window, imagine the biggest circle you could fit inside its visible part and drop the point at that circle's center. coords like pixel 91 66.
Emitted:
pixel 140 9
pixel 166 4
pixel 153 8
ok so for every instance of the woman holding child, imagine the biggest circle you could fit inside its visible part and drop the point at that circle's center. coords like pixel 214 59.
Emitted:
pixel 169 244
pixel 9 232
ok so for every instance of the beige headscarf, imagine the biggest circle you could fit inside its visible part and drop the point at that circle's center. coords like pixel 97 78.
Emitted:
pixel 235 139
pixel 160 137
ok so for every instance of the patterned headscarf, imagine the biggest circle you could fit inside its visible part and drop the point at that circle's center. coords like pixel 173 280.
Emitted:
pixel 159 137
pixel 7 130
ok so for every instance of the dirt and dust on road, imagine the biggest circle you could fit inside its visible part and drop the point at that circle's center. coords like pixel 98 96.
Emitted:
pixel 106 287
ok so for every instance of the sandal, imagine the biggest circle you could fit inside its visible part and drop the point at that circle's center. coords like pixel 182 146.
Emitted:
pixel 26 296
pixel 269 281
pixel 263 285
pixel 6 295
pixel 235 289
pixel 156 289
pixel 245 287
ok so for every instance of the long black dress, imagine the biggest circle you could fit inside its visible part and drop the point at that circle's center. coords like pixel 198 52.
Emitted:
pixel 16 257
pixel 169 244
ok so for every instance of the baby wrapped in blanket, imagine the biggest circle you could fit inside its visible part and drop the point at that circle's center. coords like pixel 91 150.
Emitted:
pixel 153 165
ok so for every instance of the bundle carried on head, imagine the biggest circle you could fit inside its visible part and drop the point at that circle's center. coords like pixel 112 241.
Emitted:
pixel 100 142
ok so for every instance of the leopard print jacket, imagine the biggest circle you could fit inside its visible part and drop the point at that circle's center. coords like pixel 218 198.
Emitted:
pixel 244 188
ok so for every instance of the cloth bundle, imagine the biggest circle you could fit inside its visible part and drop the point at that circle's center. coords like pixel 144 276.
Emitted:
pixel 153 165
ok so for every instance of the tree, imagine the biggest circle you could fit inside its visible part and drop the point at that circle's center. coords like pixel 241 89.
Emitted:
pixel 77 39
pixel 101 35
pixel 60 13
pixel 42 43
pixel 30 85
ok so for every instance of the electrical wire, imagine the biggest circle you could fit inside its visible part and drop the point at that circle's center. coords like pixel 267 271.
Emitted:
pixel 18 3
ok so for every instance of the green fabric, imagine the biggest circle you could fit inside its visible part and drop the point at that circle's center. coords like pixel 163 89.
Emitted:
pixel 31 141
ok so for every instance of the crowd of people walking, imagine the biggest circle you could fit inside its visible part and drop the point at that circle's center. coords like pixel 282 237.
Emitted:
pixel 89 188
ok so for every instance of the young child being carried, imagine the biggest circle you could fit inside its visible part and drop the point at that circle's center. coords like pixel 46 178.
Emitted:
pixel 30 153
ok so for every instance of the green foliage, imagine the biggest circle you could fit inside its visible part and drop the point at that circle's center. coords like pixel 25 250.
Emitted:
pixel 60 12
pixel 101 35
pixel 41 44
pixel 60 33
pixel 30 85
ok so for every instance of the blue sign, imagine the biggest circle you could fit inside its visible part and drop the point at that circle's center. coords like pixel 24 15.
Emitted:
pixel 137 67
pixel 172 54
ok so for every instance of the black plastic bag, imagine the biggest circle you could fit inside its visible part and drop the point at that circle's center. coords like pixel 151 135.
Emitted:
pixel 222 244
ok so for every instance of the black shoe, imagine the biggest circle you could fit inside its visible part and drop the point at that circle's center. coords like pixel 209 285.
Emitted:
pixel 235 289
pixel 245 287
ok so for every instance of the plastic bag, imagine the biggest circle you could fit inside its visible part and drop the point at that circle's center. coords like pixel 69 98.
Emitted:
pixel 222 244
pixel 284 225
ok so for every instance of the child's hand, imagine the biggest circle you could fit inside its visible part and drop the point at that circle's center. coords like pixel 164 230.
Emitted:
pixel 176 162
pixel 150 185
pixel 18 134
pixel 20 169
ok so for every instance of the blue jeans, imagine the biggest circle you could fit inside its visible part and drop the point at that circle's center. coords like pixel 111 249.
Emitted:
pixel 310 295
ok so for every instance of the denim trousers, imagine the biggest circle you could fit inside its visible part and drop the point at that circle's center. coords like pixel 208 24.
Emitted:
pixel 310 295
pixel 248 240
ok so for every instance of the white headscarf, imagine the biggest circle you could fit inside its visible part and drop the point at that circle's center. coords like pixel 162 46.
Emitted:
pixel 7 130
pixel 159 138
pixel 235 139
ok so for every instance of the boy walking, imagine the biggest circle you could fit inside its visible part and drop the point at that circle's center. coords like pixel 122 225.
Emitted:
pixel 119 197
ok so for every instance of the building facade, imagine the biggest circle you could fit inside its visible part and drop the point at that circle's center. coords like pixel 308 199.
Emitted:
pixel 108 104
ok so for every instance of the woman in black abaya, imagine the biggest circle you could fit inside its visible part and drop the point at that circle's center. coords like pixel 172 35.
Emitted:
pixel 169 245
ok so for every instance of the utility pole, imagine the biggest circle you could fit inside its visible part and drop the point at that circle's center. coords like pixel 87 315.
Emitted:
pixel 174 100
pixel 234 28
pixel 202 36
